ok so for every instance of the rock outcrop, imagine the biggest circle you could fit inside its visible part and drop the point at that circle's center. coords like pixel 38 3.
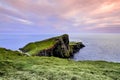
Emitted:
pixel 75 47
pixel 56 46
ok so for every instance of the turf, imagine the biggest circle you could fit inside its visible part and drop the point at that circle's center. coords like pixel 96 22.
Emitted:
pixel 19 67
pixel 73 43
pixel 35 47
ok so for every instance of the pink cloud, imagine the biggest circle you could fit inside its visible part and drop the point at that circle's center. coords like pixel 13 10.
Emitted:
pixel 90 14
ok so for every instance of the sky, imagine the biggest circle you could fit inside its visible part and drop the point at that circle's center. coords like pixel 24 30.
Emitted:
pixel 59 16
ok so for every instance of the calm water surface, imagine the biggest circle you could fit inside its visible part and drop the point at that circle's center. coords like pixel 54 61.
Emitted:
pixel 98 46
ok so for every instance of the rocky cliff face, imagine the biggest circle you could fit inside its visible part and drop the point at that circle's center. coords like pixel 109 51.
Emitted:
pixel 75 47
pixel 57 46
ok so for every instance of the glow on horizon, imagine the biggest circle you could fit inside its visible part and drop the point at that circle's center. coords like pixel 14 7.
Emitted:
pixel 59 16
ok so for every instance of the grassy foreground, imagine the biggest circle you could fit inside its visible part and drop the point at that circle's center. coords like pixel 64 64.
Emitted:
pixel 19 67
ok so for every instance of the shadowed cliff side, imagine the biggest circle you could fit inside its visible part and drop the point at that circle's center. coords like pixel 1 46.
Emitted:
pixel 57 46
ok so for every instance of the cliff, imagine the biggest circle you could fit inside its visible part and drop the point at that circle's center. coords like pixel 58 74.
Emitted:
pixel 75 47
pixel 16 66
pixel 57 46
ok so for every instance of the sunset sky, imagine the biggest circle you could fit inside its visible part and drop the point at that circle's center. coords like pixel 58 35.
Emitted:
pixel 59 16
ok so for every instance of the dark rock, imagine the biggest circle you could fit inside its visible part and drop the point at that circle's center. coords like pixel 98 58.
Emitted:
pixel 60 47
pixel 75 47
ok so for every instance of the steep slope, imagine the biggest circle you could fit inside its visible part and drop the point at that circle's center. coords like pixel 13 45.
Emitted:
pixel 56 46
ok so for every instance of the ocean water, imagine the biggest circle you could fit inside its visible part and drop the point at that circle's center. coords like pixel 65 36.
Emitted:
pixel 98 46
pixel 16 41
pixel 105 47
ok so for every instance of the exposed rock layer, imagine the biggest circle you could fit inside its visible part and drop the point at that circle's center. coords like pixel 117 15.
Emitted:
pixel 60 47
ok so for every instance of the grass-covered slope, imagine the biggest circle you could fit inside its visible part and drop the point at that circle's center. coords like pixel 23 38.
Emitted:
pixel 56 46
pixel 50 68
pixel 8 54
pixel 36 47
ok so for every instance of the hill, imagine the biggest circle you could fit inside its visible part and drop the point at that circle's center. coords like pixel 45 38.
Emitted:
pixel 57 46
pixel 14 66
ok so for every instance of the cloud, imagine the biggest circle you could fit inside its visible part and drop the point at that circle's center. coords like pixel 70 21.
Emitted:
pixel 23 21
pixel 62 15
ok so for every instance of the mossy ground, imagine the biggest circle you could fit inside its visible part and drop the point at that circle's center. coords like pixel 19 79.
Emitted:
pixel 18 67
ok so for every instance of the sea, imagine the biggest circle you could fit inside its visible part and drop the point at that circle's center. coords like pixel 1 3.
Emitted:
pixel 98 47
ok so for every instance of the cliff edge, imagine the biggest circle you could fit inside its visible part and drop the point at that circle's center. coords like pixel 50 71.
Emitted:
pixel 57 46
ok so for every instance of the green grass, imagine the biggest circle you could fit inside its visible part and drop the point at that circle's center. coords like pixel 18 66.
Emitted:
pixel 35 47
pixel 8 54
pixel 18 67
pixel 72 43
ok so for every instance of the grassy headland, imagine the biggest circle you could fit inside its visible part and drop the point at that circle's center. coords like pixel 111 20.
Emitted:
pixel 15 65
pixel 35 47
pixel 56 46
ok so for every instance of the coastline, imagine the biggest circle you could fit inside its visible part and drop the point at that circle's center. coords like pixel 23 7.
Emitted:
pixel 18 66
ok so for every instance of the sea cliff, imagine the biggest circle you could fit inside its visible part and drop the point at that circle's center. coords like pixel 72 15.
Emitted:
pixel 57 46
pixel 14 65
